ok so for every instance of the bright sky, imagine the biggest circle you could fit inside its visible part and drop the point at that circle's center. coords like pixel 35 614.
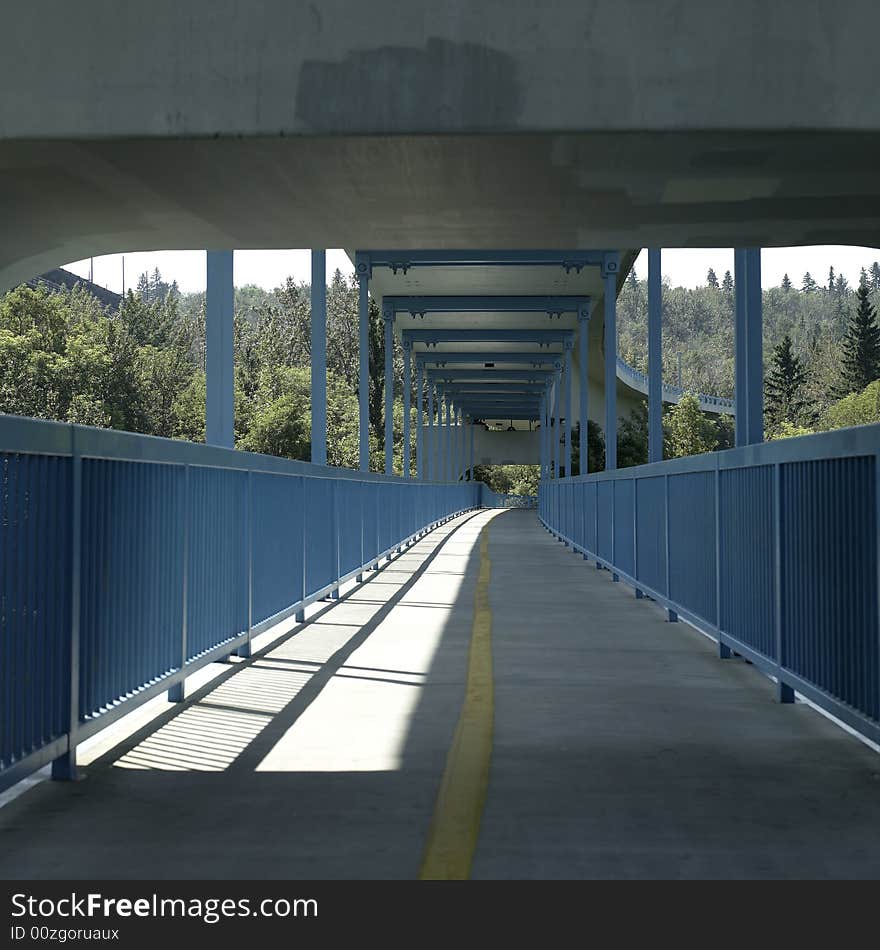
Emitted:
pixel 268 269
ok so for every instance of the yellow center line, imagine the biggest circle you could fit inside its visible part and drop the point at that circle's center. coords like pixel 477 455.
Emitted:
pixel 455 825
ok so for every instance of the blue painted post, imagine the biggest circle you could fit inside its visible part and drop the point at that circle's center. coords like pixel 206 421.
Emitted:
pixel 363 275
pixel 420 461
pixel 471 453
pixel 432 475
pixel 219 360
pixel 583 317
pixel 388 315
pixel 655 358
pixel 554 438
pixel 462 454
pixel 755 366
pixel 749 347
pixel 319 357
pixel 610 280
pixel 568 348
pixel 407 403
pixel 447 441
pixel 542 440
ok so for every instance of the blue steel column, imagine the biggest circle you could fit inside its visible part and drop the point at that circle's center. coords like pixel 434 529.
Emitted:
pixel 407 402
pixel 388 315
pixel 555 435
pixel 363 276
pixel 319 357
pixel 544 417
pixel 462 458
pixel 431 450
pixel 655 358
pixel 219 359
pixel 749 347
pixel 583 317
pixel 447 441
pixel 420 461
pixel 610 280
pixel 471 427
pixel 569 344
pixel 456 443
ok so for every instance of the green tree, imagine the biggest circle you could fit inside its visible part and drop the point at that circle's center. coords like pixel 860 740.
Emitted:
pixel 861 347
pixel 632 437
pixel 712 279
pixel 784 387
pixel 856 409
pixel 687 430
pixel 808 285
pixel 786 282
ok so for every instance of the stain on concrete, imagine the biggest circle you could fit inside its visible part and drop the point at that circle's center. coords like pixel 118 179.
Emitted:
pixel 443 86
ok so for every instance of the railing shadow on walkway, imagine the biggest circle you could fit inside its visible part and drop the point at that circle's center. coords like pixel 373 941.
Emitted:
pixel 221 786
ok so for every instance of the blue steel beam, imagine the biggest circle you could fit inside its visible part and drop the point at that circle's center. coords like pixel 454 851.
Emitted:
pixel 319 357
pixel 487 335
pixel 419 305
pixel 420 389
pixel 568 348
pixel 402 260
pixel 362 272
pixel 583 387
pixel 389 392
pixel 655 358
pixel 479 374
pixel 749 347
pixel 442 358
pixel 481 387
pixel 407 403
pixel 219 363
pixel 610 281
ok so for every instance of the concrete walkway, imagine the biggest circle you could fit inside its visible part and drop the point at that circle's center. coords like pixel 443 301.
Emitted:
pixel 622 746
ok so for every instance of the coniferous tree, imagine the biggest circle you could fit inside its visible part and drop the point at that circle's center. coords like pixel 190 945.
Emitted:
pixel 784 387
pixel 727 284
pixel 712 278
pixel 808 285
pixel 861 347
pixel 786 283
pixel 841 285
pixel 831 278
pixel 875 276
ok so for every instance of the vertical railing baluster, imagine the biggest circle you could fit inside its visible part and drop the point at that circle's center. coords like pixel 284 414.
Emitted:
pixel 724 652
pixel 784 692
pixel 64 767
pixel 178 690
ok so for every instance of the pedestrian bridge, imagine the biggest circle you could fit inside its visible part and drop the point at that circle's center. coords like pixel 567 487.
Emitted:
pixel 268 668
pixel 373 674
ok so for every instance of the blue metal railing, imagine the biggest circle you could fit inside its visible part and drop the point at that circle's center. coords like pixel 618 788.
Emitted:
pixel 638 380
pixel 772 549
pixel 127 562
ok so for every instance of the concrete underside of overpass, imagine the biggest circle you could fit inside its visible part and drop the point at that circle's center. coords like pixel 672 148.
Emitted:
pixel 622 746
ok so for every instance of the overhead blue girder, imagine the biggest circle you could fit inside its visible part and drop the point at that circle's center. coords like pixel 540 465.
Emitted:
pixel 419 305
pixel 608 260
pixel 512 387
pixel 554 360
pixel 480 374
pixel 487 335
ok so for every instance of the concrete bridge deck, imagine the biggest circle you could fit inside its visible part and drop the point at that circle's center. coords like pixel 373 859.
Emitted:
pixel 620 745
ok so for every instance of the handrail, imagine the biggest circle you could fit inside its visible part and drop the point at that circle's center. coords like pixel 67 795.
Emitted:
pixel 639 381
pixel 127 562
pixel 772 549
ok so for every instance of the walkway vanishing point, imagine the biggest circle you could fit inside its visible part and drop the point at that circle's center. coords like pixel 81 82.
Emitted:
pixel 606 741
